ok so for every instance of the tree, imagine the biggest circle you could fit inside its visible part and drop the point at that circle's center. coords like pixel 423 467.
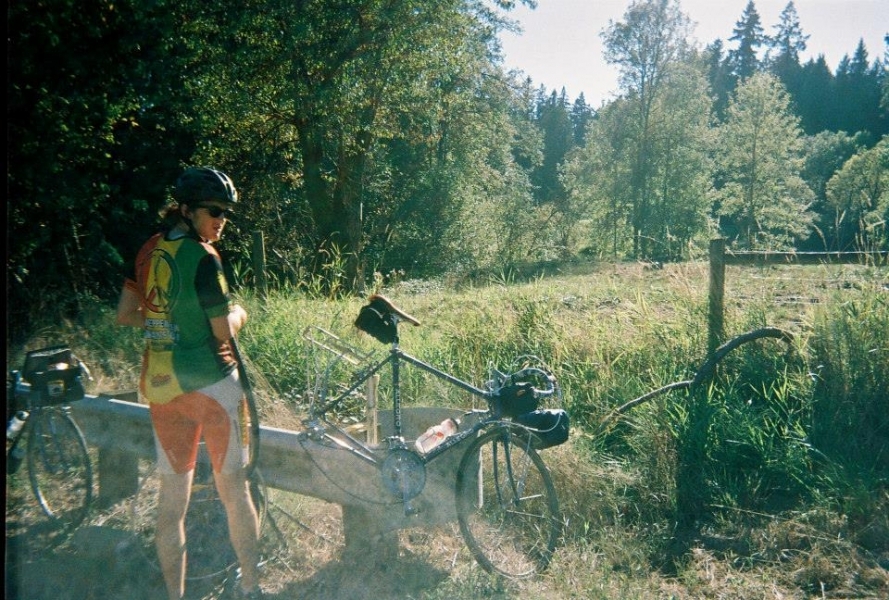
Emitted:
pixel 351 128
pixel 646 46
pixel 719 77
pixel 597 179
pixel 557 130
pixel 599 176
pixel 784 49
pixel 581 115
pixel 884 101
pixel 749 35
pixel 377 110
pixel 826 152
pixel 93 141
pixel 860 194
pixel 858 94
pixel 763 202
pixel 554 121
pixel 684 169
pixel 816 99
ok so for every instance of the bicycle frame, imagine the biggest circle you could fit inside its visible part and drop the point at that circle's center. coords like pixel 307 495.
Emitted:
pixel 506 504
pixel 396 359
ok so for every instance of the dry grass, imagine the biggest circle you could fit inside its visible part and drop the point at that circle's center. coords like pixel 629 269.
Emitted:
pixel 601 329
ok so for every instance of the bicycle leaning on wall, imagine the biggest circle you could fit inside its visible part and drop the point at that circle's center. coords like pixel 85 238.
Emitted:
pixel 507 506
pixel 42 433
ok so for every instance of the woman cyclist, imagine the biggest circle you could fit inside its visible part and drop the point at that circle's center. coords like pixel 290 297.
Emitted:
pixel 180 297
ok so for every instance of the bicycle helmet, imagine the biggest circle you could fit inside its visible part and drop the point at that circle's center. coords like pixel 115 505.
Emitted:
pixel 200 184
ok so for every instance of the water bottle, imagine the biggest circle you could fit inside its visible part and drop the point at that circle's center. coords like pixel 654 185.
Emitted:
pixel 436 434
pixel 14 428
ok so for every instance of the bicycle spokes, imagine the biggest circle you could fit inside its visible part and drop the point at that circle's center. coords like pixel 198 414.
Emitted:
pixel 506 505
pixel 59 468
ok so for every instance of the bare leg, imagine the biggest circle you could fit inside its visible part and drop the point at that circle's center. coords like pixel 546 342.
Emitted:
pixel 243 523
pixel 169 537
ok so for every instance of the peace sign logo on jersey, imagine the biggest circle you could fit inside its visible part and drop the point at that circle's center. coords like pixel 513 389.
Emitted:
pixel 162 283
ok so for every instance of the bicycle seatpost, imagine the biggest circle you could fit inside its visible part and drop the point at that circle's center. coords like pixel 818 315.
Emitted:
pixel 395 321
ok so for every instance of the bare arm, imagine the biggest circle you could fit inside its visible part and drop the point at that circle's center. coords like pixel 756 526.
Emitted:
pixel 129 306
pixel 228 326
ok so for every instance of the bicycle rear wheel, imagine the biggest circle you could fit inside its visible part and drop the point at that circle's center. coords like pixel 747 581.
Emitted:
pixel 507 505
pixel 59 467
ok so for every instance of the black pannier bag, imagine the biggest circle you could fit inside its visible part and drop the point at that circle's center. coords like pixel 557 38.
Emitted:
pixel 376 323
pixel 54 374
pixel 514 399
pixel 550 426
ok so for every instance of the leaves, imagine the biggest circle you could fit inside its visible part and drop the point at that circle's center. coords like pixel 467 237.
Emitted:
pixel 763 200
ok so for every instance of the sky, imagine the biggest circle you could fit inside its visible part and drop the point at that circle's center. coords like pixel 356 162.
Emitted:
pixel 561 47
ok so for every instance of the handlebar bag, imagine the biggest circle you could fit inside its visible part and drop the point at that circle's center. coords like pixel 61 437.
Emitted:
pixel 514 399
pixel 54 375
pixel 550 426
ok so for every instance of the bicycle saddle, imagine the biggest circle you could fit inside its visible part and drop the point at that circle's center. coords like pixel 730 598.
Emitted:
pixel 379 318
pixel 384 305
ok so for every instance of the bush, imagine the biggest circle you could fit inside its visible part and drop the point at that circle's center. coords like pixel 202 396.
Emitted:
pixel 850 348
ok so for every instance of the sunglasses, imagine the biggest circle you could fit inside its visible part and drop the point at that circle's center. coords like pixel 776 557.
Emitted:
pixel 216 212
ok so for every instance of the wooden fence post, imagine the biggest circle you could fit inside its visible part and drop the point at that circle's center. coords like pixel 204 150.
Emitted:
pixel 259 264
pixel 716 325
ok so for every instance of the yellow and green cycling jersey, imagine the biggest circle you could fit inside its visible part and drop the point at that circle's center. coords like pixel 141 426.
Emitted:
pixel 182 286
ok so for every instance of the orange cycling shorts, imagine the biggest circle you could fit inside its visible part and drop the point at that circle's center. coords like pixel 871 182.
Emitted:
pixel 215 413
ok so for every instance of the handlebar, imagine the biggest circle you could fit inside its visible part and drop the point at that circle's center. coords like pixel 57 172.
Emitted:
pixel 532 375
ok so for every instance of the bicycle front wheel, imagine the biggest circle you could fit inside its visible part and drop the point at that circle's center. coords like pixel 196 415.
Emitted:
pixel 59 468
pixel 507 505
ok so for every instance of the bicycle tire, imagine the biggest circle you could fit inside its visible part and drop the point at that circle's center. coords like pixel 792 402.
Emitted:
pixel 210 552
pixel 249 410
pixel 59 467
pixel 507 505
pixel 252 416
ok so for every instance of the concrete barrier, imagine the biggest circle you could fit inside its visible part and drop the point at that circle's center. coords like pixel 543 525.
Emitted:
pixel 291 461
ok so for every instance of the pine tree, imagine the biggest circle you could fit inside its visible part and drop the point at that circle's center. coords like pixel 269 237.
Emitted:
pixel 788 42
pixel 748 33
pixel 816 100
pixel 719 77
pixel 581 114
pixel 558 139
pixel 785 47
pixel 858 94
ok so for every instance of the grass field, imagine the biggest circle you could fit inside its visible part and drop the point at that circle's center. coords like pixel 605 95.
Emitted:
pixel 771 482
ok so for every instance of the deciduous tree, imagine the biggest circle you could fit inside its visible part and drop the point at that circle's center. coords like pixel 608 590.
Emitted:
pixel 646 46
pixel 763 202
pixel 859 192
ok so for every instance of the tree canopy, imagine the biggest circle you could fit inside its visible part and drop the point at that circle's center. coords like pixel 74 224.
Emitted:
pixel 370 137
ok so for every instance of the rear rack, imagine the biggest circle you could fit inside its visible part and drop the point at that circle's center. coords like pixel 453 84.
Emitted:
pixel 336 346
pixel 335 365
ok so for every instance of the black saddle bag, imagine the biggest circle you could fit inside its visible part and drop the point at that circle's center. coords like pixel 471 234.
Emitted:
pixel 377 324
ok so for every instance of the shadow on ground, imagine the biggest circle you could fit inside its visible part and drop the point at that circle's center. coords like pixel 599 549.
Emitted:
pixel 103 563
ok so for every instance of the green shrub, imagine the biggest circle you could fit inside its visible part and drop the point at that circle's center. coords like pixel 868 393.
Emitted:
pixel 850 348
